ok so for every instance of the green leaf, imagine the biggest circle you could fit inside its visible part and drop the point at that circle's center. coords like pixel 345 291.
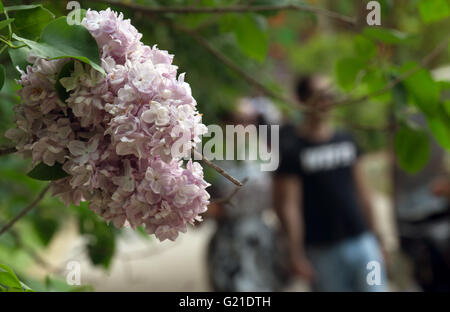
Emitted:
pixel 251 34
pixel 141 231
pixel 44 172
pixel 400 97
pixel 101 245
pixel 446 106
pixel 13 8
pixel 45 228
pixel 440 127
pixel 8 278
pixel 2 76
pixel 444 85
pixel 433 10
pixel 422 88
pixel 375 80
pixel 412 148
pixel 26 288
pixel 101 249
pixel 19 56
pixel 365 48
pixel 347 70
pixel 2 8
pixel 388 36
pixel 5 23
pixel 60 40
pixel 66 70
pixel 30 23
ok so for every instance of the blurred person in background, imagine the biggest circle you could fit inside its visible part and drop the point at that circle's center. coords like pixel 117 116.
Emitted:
pixel 243 254
pixel 423 218
pixel 323 202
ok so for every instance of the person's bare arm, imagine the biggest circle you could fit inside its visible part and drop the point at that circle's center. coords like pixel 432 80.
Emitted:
pixel 288 201
pixel 368 208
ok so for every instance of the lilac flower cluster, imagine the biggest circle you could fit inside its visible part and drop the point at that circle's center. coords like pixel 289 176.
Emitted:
pixel 116 134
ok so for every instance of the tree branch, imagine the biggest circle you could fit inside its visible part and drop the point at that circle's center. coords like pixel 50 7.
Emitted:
pixel 25 211
pixel 227 199
pixel 7 151
pixel 234 9
pixel 221 171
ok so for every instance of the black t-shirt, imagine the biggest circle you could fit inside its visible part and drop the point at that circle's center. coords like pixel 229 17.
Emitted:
pixel 330 203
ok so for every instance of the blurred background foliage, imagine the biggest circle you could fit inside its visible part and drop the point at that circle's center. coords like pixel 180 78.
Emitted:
pixel 273 48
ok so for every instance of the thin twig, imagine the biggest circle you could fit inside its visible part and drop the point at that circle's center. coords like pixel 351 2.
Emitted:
pixel 221 171
pixel 7 151
pixel 25 211
pixel 233 9
pixel 227 199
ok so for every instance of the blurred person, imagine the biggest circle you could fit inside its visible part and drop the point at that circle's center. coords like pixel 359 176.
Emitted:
pixel 243 254
pixel 323 202
pixel 423 218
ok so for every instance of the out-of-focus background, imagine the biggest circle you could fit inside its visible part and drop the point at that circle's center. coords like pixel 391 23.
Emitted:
pixel 269 50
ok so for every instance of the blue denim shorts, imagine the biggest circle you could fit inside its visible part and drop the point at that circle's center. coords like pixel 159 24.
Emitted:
pixel 354 264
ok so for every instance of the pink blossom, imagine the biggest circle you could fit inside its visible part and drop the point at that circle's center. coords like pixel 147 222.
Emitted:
pixel 114 134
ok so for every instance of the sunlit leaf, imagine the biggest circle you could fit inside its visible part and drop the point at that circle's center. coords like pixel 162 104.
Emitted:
pixel 422 88
pixel 375 80
pixel 347 70
pixel 8 278
pixel 446 106
pixel 388 36
pixel 251 34
pixel 433 10
pixel 365 48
